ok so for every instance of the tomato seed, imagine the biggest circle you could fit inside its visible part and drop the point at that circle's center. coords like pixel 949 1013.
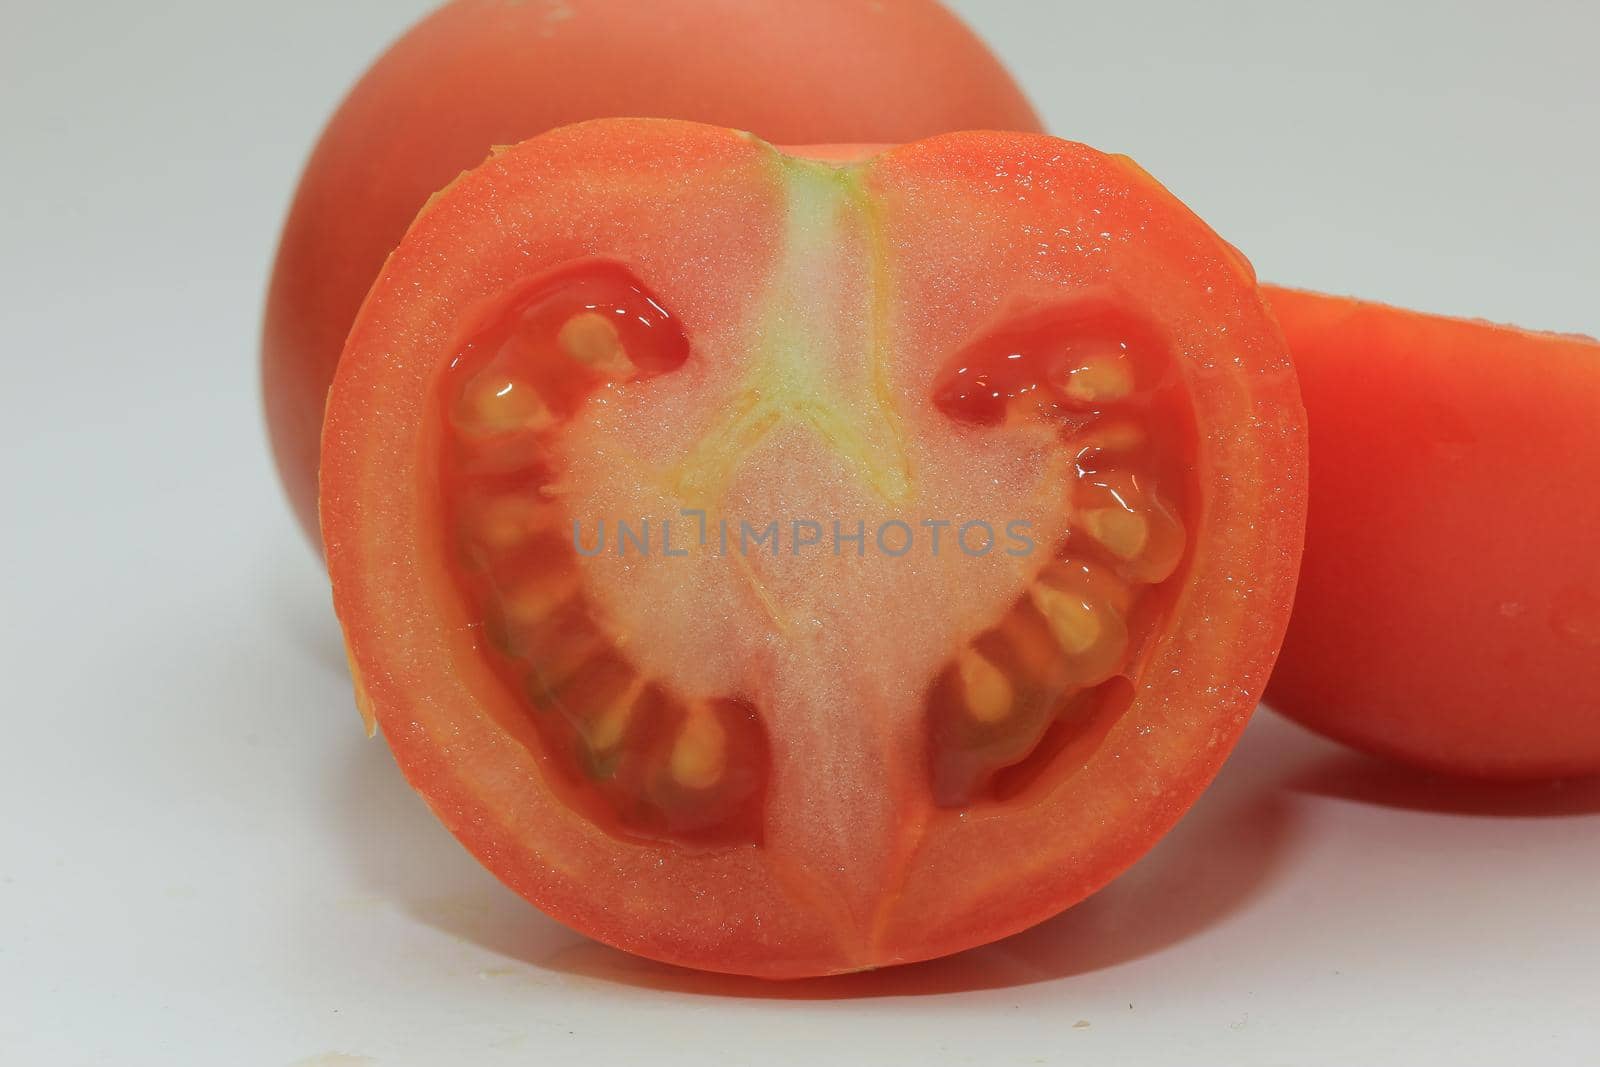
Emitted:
pixel 700 751
pixel 989 694
pixel 1096 380
pixel 493 403
pixel 591 339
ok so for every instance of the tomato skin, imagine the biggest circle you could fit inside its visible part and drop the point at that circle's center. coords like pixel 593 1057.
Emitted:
pixel 783 909
pixel 479 73
pixel 1448 613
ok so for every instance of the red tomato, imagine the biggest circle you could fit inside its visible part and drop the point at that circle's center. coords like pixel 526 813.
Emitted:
pixel 636 470
pixel 1449 609
pixel 479 73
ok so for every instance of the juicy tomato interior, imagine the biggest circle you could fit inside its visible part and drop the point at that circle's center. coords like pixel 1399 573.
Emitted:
pixel 789 564
pixel 1043 685
pixel 1040 686
pixel 629 748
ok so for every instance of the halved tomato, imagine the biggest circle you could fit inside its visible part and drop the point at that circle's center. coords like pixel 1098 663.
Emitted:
pixel 793 562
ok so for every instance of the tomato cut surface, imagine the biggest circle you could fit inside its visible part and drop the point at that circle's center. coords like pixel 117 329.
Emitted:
pixel 1449 608
pixel 479 73
pixel 793 562
pixel 651 761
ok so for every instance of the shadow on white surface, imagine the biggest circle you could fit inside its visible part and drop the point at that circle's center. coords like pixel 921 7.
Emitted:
pixel 1367 780
pixel 1222 854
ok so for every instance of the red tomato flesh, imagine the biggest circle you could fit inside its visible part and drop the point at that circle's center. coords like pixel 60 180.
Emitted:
pixel 1449 608
pixel 479 73
pixel 604 361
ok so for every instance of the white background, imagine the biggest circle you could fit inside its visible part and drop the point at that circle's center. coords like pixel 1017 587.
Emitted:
pixel 202 861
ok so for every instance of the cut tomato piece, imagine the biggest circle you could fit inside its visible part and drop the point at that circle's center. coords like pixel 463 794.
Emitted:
pixel 479 73
pixel 1449 609
pixel 796 562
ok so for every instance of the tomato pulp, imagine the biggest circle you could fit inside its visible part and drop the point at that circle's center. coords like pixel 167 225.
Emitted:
pixel 792 562
pixel 1449 609
pixel 479 73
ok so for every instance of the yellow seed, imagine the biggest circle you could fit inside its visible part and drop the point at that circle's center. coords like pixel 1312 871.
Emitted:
pixel 1162 555
pixel 607 727
pixel 591 338
pixel 1121 435
pixel 497 403
pixel 532 600
pixel 988 691
pixel 507 521
pixel 1125 534
pixel 700 751
pixel 1074 622
pixel 1099 379
pixel 499 529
